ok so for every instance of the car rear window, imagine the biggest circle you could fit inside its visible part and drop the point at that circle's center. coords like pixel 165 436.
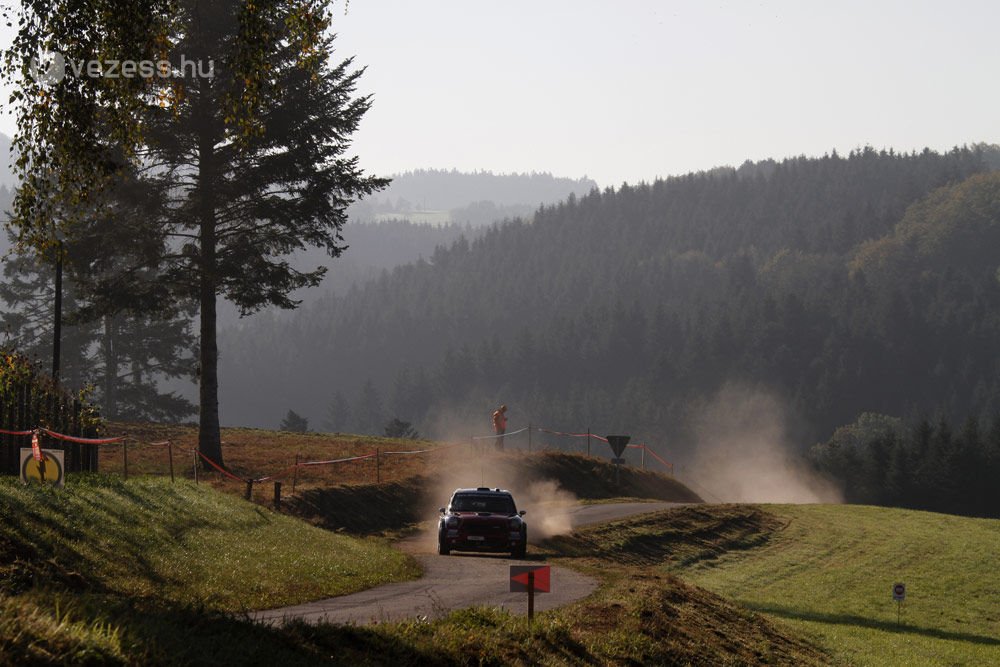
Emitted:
pixel 492 504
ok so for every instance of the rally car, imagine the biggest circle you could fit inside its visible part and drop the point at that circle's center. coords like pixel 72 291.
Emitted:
pixel 482 519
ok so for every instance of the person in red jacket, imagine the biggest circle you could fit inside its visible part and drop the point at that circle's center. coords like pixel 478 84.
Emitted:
pixel 500 426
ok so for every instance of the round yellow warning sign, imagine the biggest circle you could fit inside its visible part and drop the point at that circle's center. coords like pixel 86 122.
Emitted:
pixel 47 471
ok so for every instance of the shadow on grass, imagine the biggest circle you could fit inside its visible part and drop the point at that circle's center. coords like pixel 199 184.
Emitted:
pixel 870 623
pixel 196 637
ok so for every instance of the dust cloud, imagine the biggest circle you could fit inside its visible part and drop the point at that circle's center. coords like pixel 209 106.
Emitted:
pixel 473 465
pixel 743 453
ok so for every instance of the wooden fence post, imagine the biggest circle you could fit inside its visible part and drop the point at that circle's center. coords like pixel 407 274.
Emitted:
pixel 125 456
pixel 194 452
pixel 277 496
pixel 170 458
pixel 249 494
pixel 295 473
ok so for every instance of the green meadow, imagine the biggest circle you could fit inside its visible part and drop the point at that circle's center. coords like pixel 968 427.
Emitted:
pixel 827 574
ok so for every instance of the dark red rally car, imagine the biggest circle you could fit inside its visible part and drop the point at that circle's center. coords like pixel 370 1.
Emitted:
pixel 482 520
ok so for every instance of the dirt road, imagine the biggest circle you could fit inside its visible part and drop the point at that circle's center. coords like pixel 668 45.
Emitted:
pixel 458 581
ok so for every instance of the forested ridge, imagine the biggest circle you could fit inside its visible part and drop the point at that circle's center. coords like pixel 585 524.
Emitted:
pixel 842 284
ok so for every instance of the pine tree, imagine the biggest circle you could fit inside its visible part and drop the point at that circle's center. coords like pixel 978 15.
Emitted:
pixel 397 428
pixel 368 410
pixel 338 414
pixel 27 289
pixel 248 163
pixel 294 423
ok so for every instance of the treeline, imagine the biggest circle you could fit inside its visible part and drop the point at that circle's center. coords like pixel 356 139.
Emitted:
pixel 119 359
pixel 925 465
pixel 840 283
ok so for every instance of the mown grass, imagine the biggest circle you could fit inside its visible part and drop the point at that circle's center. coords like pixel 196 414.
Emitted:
pixel 828 576
pixel 178 542
pixel 84 567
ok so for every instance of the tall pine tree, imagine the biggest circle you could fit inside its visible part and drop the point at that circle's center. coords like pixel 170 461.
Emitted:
pixel 246 149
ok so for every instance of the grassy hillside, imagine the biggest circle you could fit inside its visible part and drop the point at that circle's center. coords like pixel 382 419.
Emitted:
pixel 75 562
pixel 826 572
pixel 108 571
pixel 535 479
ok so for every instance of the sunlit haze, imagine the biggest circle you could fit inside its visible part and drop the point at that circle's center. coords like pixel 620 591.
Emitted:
pixel 634 90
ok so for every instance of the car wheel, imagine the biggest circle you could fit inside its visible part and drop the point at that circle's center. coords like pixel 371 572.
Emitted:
pixel 443 547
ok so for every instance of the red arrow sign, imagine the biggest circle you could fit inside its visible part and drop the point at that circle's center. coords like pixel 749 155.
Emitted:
pixel 519 578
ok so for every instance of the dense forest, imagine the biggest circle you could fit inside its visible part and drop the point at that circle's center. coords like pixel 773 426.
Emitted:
pixel 923 464
pixel 842 284
pixel 864 284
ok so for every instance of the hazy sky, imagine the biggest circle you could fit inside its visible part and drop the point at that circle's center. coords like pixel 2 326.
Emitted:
pixel 631 90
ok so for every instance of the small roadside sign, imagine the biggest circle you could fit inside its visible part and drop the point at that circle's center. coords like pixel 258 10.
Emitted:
pixel 531 579
pixel 618 443
pixel 899 594
pixel 519 578
pixel 48 470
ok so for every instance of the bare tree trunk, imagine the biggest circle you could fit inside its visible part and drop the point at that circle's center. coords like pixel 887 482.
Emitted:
pixel 110 368
pixel 209 436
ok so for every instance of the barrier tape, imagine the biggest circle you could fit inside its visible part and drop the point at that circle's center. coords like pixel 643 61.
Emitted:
pixel 323 463
pixel 220 468
pixel 68 438
pixel 499 435
pixel 657 457
pixel 280 475
pixel 642 446
pixel 424 451
pixel 568 435
pixel 82 441
pixel 6 432
pixel 572 435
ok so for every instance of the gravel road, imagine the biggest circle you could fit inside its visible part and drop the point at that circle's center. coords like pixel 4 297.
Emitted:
pixel 458 581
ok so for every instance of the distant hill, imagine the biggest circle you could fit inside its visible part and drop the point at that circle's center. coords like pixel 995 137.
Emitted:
pixel 480 198
pixel 628 309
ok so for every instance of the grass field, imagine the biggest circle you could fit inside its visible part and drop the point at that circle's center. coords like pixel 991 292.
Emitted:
pixel 109 571
pixel 827 575
pixel 256 453
pixel 178 542
pixel 145 571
